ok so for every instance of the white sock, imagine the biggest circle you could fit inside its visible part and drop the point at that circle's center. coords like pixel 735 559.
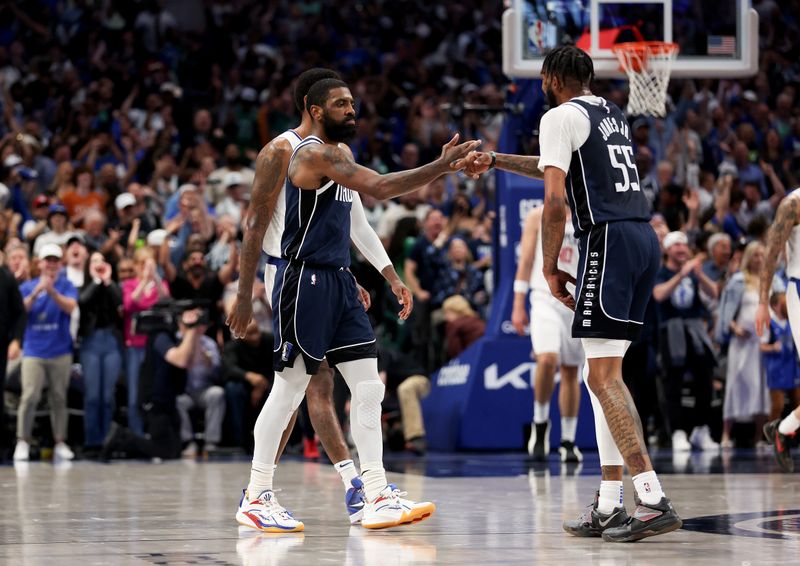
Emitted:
pixel 260 479
pixel 610 496
pixel 374 477
pixel 648 488
pixel 347 471
pixel 541 412
pixel 789 425
pixel 568 427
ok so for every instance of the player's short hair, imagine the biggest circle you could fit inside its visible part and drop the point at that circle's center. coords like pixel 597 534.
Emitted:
pixel 775 297
pixel 306 80
pixel 320 90
pixel 569 64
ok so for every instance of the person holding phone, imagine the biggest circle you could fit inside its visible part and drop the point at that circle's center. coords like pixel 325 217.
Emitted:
pixel 100 301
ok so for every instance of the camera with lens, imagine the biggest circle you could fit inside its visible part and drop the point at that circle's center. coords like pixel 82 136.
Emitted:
pixel 165 315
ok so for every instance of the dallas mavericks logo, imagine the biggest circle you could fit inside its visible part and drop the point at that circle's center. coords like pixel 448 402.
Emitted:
pixel 683 295
pixel 343 194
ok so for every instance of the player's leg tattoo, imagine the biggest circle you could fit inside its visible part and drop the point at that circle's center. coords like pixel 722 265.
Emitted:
pixel 623 421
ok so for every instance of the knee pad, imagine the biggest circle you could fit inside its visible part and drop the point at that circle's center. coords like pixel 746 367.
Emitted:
pixel 369 395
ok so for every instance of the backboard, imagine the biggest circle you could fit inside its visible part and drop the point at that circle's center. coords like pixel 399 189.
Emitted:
pixel 717 39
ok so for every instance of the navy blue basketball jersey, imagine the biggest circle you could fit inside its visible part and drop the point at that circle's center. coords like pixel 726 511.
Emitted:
pixel 317 226
pixel 602 182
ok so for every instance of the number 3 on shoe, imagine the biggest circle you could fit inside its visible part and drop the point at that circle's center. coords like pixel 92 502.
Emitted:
pixel 266 515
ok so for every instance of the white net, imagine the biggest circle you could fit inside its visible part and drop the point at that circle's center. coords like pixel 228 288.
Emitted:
pixel 648 66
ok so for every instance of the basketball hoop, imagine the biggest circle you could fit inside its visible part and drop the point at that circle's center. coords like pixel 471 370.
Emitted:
pixel 648 65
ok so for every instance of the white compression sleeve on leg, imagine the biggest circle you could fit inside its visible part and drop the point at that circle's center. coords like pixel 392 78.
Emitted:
pixel 286 395
pixel 606 447
pixel 367 392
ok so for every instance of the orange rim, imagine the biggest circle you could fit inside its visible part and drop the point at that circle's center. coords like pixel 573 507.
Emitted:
pixel 635 53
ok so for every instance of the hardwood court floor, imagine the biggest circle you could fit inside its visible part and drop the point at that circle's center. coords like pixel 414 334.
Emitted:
pixel 182 513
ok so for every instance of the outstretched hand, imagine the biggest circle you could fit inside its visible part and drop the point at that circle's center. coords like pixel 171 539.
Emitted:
pixel 452 152
pixel 558 287
pixel 474 164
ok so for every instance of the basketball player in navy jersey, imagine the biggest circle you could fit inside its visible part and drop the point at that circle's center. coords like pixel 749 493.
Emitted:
pixel 315 301
pixel 263 230
pixel 587 160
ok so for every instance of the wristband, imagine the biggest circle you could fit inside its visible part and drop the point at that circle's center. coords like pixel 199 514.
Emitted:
pixel 494 159
pixel 521 286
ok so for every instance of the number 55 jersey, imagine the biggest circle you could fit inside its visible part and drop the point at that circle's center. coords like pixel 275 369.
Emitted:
pixel 589 139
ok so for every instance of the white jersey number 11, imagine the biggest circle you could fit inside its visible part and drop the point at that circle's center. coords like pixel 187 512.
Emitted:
pixel 629 175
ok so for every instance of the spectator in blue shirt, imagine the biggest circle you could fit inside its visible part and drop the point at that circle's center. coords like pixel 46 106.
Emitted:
pixel 748 171
pixel 459 277
pixel 47 353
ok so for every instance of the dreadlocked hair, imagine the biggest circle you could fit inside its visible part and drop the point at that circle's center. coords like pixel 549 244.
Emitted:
pixel 568 65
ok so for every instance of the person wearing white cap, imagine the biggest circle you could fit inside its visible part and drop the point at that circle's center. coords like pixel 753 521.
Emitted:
pixel 156 238
pixel 235 201
pixel 125 203
pixel 49 300
pixel 685 344
pixel 215 185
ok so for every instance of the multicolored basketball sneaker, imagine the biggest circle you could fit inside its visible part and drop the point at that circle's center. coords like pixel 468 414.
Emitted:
pixel 390 509
pixel 265 514
pixel 354 501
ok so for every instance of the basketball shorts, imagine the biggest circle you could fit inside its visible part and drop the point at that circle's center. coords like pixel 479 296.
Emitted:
pixel 616 274
pixel 551 329
pixel 793 308
pixel 318 315
pixel 270 269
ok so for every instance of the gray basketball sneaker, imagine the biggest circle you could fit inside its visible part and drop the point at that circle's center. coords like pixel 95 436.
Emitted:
pixel 646 521
pixel 592 522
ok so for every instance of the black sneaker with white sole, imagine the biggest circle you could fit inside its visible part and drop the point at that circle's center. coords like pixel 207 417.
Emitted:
pixel 569 452
pixel 539 442
pixel 592 522
pixel 646 521
pixel 780 445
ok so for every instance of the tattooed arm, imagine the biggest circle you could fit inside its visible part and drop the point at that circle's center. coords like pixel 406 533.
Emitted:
pixel 786 218
pixel 479 162
pixel 554 217
pixel 526 165
pixel 269 177
pixel 314 163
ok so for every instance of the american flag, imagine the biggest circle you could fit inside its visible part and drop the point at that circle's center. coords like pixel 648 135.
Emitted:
pixel 721 45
